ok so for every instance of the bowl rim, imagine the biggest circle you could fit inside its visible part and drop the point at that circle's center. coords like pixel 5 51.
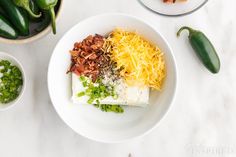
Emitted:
pixel 36 36
pixel 173 15
pixel 174 88
pixel 19 65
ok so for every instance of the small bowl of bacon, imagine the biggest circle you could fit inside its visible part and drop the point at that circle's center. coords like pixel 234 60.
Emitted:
pixel 112 77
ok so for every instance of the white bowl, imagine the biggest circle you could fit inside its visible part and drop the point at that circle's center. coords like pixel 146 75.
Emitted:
pixel 89 121
pixel 14 61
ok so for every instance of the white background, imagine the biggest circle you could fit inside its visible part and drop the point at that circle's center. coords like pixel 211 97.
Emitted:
pixel 202 121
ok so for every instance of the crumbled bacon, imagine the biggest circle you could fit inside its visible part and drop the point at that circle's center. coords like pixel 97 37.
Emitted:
pixel 169 1
pixel 86 56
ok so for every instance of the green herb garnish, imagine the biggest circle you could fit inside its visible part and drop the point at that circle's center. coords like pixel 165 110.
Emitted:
pixel 81 94
pixel 10 82
pixel 111 108
pixel 98 91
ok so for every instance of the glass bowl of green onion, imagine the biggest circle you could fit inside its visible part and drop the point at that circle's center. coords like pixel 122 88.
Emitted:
pixel 12 81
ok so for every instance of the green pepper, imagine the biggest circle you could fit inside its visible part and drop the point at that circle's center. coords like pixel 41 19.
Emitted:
pixel 49 5
pixel 203 48
pixel 2 12
pixel 25 4
pixel 6 30
pixel 35 10
pixel 16 16
pixel 44 23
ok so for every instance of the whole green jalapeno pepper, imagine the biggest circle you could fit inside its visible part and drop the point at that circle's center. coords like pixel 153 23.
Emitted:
pixel 49 5
pixel 25 4
pixel 16 16
pixel 203 48
pixel 6 30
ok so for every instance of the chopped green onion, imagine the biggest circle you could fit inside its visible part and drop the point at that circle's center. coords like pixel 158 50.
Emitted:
pixel 90 100
pixel 98 91
pixel 85 84
pixel 82 78
pixel 80 94
pixel 10 82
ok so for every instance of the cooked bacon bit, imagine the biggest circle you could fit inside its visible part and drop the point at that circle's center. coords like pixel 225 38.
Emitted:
pixel 80 68
pixel 169 1
pixel 74 53
pixel 86 56
pixel 93 56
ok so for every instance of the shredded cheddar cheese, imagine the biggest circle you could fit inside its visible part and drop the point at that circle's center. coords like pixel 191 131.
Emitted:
pixel 141 63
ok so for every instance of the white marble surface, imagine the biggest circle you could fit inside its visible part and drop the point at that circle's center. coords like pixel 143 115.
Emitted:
pixel 202 121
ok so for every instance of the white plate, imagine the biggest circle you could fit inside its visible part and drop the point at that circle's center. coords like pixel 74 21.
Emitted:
pixel 176 9
pixel 90 121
